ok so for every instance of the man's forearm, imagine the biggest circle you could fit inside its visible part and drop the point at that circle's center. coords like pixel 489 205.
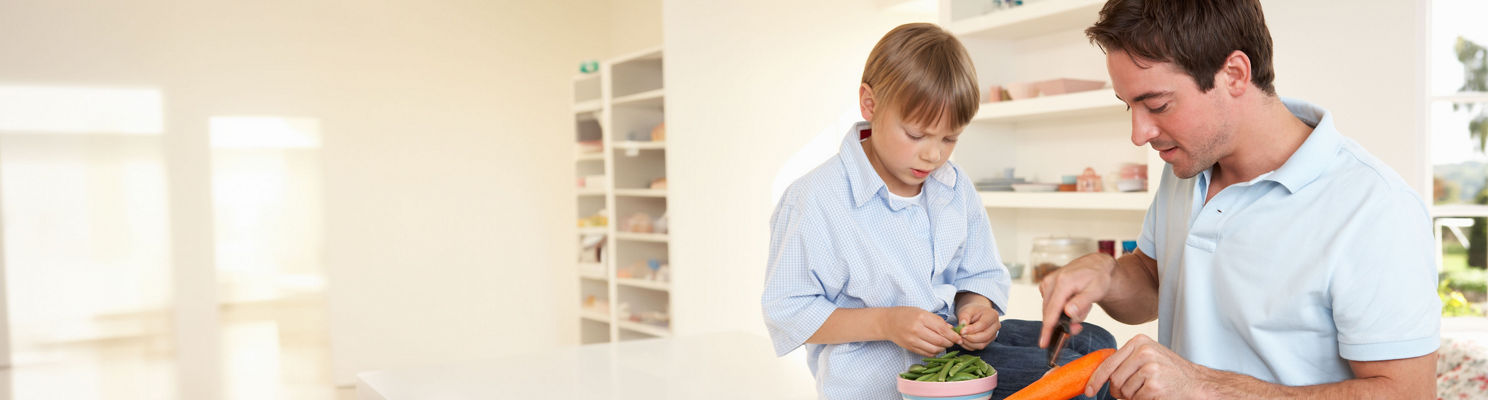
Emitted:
pixel 1132 296
pixel 1229 385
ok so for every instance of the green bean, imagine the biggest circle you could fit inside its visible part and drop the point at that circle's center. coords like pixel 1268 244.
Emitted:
pixel 926 378
pixel 917 368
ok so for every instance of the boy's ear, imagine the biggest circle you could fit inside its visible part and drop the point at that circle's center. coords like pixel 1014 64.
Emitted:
pixel 865 101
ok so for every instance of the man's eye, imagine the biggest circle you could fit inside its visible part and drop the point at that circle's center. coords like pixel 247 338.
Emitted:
pixel 1159 109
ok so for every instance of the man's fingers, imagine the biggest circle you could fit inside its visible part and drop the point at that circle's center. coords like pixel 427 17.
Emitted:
pixel 1054 303
pixel 1103 372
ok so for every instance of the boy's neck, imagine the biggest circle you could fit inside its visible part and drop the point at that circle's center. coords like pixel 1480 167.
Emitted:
pixel 889 181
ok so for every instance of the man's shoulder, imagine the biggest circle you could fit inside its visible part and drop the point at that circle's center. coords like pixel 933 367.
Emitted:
pixel 1358 173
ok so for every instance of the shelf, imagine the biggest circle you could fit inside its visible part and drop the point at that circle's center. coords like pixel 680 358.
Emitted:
pixel 644 328
pixel 594 276
pixel 644 284
pixel 1095 102
pixel 641 193
pixel 593 229
pixel 1029 20
pixel 1131 201
pixel 633 145
pixel 590 192
pixel 651 99
pixel 642 237
pixel 587 106
pixel 594 316
pixel 653 53
pixel 599 156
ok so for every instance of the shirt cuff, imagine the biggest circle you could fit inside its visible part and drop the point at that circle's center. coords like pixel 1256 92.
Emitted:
pixel 1389 350
pixel 990 288
pixel 791 331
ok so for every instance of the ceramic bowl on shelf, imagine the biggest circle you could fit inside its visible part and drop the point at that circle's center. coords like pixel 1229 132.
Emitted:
pixel 1020 91
pixel 1065 85
pixel 1035 187
pixel 975 389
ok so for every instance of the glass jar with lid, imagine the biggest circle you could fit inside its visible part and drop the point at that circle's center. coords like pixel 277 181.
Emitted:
pixel 1050 253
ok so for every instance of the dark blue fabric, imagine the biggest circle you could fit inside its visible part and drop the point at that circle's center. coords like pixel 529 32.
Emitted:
pixel 1019 361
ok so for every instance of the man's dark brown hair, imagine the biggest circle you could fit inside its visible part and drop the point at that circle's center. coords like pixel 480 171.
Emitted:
pixel 1196 35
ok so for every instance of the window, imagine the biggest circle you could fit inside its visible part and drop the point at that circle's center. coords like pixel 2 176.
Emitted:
pixel 1458 51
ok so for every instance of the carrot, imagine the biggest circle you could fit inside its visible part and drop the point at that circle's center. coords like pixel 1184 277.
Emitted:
pixel 1066 381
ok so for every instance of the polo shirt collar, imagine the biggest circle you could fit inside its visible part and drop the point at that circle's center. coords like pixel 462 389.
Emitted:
pixel 1316 153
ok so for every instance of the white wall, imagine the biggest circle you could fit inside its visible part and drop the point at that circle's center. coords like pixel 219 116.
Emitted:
pixel 444 123
pixel 749 84
pixel 634 25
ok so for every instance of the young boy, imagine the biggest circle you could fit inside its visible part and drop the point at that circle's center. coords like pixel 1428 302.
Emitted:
pixel 877 253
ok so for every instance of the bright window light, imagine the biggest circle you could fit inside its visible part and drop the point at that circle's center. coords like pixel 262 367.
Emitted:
pixel 45 109
pixel 265 133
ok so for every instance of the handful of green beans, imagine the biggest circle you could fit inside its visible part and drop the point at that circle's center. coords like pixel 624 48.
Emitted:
pixel 949 368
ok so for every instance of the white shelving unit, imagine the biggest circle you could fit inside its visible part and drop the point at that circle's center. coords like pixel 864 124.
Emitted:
pixel 620 105
pixel 1045 138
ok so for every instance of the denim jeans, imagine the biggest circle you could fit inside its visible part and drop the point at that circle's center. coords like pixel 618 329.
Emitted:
pixel 1019 361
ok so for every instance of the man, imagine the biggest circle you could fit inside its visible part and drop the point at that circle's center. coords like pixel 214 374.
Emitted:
pixel 1280 259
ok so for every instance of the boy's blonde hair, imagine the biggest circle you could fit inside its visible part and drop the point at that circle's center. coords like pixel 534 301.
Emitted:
pixel 923 72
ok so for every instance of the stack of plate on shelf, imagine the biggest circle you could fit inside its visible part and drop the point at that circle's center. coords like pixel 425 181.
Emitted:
pixel 1002 184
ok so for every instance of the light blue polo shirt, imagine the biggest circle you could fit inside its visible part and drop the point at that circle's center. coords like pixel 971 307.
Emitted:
pixel 1288 276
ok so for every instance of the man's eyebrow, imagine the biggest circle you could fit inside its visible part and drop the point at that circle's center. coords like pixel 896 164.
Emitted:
pixel 1146 96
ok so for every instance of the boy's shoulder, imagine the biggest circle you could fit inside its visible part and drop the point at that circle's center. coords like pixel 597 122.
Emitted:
pixel 826 184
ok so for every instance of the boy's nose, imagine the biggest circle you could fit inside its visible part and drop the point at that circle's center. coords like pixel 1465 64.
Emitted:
pixel 931 154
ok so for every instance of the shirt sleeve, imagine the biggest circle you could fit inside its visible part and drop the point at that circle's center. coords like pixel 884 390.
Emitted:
pixel 1147 240
pixel 1383 290
pixel 797 298
pixel 981 270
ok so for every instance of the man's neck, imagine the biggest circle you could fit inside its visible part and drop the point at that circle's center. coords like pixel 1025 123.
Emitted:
pixel 1262 142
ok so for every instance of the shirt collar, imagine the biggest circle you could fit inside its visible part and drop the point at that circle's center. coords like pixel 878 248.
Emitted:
pixel 1316 153
pixel 865 182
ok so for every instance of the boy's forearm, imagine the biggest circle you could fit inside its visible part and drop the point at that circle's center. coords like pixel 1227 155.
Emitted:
pixel 969 298
pixel 847 325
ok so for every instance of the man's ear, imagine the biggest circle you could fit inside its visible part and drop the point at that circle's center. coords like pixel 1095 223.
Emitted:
pixel 1234 75
pixel 865 101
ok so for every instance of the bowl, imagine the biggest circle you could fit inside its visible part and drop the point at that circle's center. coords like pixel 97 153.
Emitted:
pixel 975 389
pixel 1020 91
pixel 1065 85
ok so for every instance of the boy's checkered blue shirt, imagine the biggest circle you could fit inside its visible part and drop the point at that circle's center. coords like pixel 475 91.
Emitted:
pixel 837 241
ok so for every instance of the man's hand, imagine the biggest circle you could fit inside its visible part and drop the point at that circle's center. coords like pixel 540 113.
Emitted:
pixel 1073 290
pixel 1144 369
pixel 917 330
pixel 982 323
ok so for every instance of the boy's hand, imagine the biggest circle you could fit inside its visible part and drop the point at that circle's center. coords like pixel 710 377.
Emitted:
pixel 917 330
pixel 982 323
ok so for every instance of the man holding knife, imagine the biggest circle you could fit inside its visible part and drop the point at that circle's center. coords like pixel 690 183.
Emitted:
pixel 1279 257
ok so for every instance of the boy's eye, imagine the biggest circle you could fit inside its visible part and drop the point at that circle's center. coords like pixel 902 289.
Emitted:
pixel 950 140
pixel 912 136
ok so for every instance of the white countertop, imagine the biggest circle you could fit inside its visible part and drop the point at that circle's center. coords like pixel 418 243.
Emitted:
pixel 715 366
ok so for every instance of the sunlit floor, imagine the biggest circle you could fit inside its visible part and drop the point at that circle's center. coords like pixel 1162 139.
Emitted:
pixel 271 350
